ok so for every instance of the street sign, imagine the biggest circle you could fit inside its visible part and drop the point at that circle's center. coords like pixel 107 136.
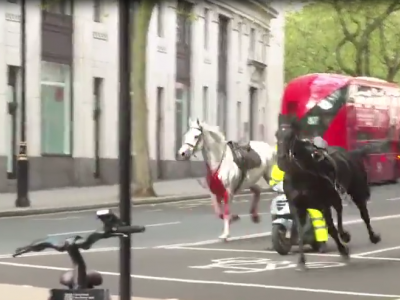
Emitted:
pixel 246 265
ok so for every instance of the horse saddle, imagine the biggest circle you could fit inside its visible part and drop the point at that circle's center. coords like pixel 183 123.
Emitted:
pixel 244 156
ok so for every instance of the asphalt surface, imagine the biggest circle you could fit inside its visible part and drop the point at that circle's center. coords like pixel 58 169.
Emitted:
pixel 205 267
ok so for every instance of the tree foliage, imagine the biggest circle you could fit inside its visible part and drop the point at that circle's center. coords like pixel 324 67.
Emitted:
pixel 359 38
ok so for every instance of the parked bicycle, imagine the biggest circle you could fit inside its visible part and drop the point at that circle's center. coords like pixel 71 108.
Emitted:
pixel 79 280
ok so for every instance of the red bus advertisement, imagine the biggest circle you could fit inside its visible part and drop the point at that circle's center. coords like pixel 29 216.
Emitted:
pixel 349 112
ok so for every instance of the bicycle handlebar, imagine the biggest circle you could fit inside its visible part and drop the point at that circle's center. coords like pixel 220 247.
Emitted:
pixel 79 242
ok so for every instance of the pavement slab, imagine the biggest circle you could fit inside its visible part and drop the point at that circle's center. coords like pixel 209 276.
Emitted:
pixel 18 292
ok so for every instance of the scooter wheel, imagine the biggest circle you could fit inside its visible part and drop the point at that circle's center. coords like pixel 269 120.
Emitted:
pixel 281 244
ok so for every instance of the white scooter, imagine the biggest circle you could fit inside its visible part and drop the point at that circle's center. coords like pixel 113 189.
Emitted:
pixel 284 230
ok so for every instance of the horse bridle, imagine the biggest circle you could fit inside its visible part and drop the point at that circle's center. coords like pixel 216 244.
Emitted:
pixel 194 147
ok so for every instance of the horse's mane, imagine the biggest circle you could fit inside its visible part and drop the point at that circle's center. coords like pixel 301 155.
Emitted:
pixel 215 131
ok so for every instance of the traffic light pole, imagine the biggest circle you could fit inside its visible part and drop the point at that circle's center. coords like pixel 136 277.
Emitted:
pixel 22 158
pixel 124 146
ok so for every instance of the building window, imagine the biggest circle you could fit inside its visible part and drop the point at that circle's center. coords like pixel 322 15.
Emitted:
pixel 252 45
pixel 182 112
pixel 240 34
pixel 160 19
pixel 13 98
pixel 206 27
pixel 55 108
pixel 205 103
pixel 63 7
pixel 265 44
pixel 98 10
pixel 183 22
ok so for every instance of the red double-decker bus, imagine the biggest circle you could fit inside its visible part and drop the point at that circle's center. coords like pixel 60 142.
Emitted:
pixel 349 112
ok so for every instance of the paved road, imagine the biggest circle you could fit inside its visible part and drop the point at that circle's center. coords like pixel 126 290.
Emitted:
pixel 183 222
pixel 172 223
pixel 232 270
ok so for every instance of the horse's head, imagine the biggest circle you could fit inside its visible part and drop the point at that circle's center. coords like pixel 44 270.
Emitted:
pixel 292 150
pixel 192 140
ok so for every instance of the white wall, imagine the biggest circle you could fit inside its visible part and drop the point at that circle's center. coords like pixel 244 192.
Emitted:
pixel 96 55
pixel 10 55
pixel 275 85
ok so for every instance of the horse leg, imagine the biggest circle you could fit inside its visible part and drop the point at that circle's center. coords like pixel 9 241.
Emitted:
pixel 337 205
pixel 254 204
pixel 227 218
pixel 343 249
pixel 216 203
pixel 362 207
pixel 301 265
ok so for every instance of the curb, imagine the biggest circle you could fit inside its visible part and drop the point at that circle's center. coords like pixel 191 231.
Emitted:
pixel 112 204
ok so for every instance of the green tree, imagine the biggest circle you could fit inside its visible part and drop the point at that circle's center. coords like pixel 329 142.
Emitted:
pixel 356 38
pixel 141 164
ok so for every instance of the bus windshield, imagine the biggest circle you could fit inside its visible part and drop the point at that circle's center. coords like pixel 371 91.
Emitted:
pixel 316 121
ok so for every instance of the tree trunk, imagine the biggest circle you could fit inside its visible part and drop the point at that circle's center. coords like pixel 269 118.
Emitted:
pixel 141 158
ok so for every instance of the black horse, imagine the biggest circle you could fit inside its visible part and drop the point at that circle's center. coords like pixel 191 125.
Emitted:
pixel 322 175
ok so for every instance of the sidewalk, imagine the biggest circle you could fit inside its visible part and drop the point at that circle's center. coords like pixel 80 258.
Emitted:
pixel 22 292
pixel 97 197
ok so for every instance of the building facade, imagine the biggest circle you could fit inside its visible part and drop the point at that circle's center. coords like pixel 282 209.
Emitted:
pixel 219 61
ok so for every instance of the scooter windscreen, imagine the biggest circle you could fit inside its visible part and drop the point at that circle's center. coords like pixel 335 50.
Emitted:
pixel 278 188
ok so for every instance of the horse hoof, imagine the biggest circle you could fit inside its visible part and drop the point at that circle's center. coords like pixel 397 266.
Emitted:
pixel 234 218
pixel 323 248
pixel 255 219
pixel 375 238
pixel 345 253
pixel 269 248
pixel 301 267
pixel 345 237
pixel 224 237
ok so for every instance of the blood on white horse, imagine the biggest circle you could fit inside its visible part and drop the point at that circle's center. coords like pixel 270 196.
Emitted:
pixel 223 175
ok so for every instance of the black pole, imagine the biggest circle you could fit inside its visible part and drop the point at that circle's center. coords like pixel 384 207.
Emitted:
pixel 22 160
pixel 124 147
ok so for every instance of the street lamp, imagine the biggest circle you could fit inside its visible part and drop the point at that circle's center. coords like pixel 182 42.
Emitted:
pixel 22 159
pixel 124 147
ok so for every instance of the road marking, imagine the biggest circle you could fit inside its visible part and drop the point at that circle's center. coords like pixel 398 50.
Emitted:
pixel 246 265
pixel 222 283
pixel 378 251
pixel 264 234
pixel 377 258
pixel 56 219
pixel 393 199
pixel 215 241
pixel 87 231
pixel 245 250
pixel 357 256
pixel 50 252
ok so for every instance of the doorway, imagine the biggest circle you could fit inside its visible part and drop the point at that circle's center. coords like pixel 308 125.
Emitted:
pixel 160 132
pixel 12 117
pixel 97 119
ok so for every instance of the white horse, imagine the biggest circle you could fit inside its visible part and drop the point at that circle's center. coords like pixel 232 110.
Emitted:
pixel 224 176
